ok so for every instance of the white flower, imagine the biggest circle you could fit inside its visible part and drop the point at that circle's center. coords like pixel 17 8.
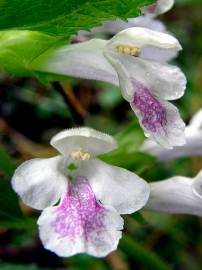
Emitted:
pixel 145 83
pixel 81 197
pixel 161 6
pixel 146 20
pixel 178 194
pixel 193 146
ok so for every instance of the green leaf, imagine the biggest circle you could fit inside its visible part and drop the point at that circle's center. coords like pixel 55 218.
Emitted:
pixel 136 161
pixel 139 218
pixel 85 262
pixel 131 137
pixel 20 267
pixel 128 154
pixel 19 48
pixel 64 17
pixel 10 213
pixel 7 166
pixel 145 257
pixel 37 26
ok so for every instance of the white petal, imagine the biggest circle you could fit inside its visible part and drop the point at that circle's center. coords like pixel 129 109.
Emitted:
pixel 197 185
pixel 161 6
pixel 90 140
pixel 141 37
pixel 40 182
pixel 196 121
pixel 174 195
pixel 147 22
pixel 154 148
pixel 115 26
pixel 111 27
pixel 83 60
pixel 123 74
pixel 159 55
pixel 116 187
pixel 164 5
pixel 80 224
pixel 193 146
pixel 151 52
pixel 163 80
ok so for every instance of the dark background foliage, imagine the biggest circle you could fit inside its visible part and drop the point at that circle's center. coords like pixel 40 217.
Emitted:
pixel 31 112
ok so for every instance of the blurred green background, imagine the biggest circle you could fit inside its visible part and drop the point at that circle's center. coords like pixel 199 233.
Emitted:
pixel 30 113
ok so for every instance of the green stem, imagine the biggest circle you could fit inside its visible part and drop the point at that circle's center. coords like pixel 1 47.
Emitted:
pixel 145 257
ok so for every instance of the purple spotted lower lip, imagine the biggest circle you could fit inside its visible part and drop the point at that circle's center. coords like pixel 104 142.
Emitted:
pixel 152 112
pixel 79 214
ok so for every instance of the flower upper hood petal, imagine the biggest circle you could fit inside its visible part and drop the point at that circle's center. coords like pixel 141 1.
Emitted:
pixel 141 37
pixel 84 138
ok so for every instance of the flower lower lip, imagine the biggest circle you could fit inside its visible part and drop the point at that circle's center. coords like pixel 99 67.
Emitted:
pixel 152 112
pixel 79 214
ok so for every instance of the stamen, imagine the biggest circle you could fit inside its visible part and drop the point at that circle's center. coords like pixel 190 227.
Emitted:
pixel 129 50
pixel 79 154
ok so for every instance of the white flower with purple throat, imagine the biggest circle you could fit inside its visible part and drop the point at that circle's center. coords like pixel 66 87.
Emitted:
pixel 81 197
pixel 123 61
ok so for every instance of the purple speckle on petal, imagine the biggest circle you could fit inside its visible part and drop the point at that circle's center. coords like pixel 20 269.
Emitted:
pixel 79 214
pixel 151 8
pixel 152 112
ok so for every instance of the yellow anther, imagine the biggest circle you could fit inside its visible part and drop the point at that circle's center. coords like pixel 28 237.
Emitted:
pixel 120 48
pixel 126 50
pixel 135 51
pixel 129 50
pixel 79 154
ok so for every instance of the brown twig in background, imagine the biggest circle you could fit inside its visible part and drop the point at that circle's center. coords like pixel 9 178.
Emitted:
pixel 25 146
pixel 196 101
pixel 116 262
pixel 196 164
pixel 76 108
pixel 73 99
